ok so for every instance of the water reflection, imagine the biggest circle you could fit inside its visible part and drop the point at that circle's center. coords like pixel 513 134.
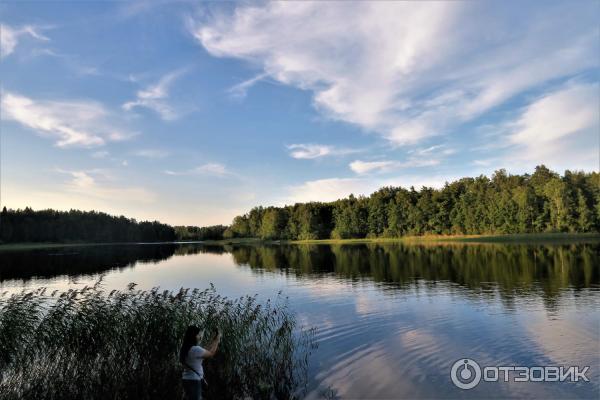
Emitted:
pixel 485 270
pixel 78 261
pixel 391 318
pixel 511 270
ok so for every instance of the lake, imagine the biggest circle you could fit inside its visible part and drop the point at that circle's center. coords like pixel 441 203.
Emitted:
pixel 391 319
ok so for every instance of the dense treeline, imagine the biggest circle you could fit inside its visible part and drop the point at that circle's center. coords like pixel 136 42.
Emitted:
pixel 78 226
pixel 214 232
pixel 541 202
pixel 82 226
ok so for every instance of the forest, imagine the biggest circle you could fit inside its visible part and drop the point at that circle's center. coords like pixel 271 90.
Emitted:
pixel 27 225
pixel 531 203
pixel 541 202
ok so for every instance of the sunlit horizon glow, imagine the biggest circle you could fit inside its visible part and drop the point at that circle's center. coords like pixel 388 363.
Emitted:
pixel 191 113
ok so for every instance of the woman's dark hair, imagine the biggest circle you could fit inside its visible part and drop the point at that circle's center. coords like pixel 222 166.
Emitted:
pixel 189 340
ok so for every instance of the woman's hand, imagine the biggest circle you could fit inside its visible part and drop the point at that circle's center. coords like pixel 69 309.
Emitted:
pixel 212 349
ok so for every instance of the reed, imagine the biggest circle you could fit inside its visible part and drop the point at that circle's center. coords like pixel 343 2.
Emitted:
pixel 89 344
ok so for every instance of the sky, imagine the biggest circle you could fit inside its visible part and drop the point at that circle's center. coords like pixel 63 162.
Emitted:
pixel 192 113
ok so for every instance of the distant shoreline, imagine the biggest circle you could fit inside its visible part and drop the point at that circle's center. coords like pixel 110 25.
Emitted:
pixel 46 245
pixel 507 238
pixel 495 238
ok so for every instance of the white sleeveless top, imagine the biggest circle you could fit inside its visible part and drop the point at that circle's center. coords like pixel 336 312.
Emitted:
pixel 194 360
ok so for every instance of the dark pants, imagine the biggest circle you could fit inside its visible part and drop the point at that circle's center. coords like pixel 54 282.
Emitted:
pixel 192 389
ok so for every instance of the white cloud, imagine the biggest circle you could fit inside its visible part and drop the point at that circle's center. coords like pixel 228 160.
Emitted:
pixel 9 37
pixel 329 189
pixel 365 167
pixel 362 167
pixel 430 149
pixel 406 70
pixel 560 128
pixel 240 90
pixel 436 149
pixel 310 151
pixel 210 169
pixel 97 185
pixel 82 180
pixel 558 114
pixel 154 97
pixel 70 123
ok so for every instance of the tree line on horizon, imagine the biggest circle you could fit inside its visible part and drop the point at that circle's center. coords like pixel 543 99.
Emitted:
pixel 27 225
pixel 541 202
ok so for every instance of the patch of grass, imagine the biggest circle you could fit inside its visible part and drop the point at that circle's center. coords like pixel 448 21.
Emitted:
pixel 529 237
pixel 517 238
pixel 245 241
pixel 88 344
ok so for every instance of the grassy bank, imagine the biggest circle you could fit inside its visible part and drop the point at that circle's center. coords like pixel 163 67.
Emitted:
pixel 507 238
pixel 87 344
pixel 529 238
pixel 514 238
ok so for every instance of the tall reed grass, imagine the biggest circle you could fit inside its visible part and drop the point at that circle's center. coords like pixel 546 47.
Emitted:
pixel 89 344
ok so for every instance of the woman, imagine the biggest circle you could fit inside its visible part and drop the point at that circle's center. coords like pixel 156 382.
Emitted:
pixel 191 356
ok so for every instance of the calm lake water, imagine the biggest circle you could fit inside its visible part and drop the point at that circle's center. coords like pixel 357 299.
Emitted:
pixel 391 319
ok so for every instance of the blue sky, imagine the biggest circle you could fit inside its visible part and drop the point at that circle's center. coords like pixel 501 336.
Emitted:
pixel 192 113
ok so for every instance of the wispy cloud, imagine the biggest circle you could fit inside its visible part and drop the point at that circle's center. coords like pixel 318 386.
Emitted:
pixel 154 97
pixel 561 126
pixel 97 184
pixel 82 180
pixel 240 90
pixel 209 169
pixel 558 114
pixel 151 153
pixel 392 74
pixel 72 62
pixel 365 167
pixel 10 36
pixel 135 8
pixel 436 149
pixel 76 123
pixel 310 151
